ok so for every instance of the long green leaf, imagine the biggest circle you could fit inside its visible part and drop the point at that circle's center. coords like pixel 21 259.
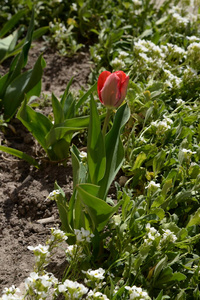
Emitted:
pixel 11 23
pixel 23 57
pixel 21 155
pixel 86 95
pixel 57 110
pixel 98 211
pixel 95 146
pixel 23 84
pixel 114 150
pixel 38 124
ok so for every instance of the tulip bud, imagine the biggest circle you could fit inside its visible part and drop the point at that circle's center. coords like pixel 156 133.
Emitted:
pixel 112 88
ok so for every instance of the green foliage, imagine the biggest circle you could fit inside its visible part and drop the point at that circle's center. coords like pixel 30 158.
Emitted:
pixel 15 85
pixel 55 137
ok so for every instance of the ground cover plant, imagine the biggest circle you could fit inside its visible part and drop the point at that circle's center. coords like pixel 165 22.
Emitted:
pixel 142 122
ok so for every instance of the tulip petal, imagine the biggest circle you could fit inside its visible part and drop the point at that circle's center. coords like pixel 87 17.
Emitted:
pixel 121 75
pixel 101 81
pixel 123 88
pixel 110 92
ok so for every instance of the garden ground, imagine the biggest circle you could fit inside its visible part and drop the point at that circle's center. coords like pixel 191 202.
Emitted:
pixel 26 217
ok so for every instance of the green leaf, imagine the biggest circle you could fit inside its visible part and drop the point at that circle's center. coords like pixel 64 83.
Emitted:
pixel 63 208
pixel 99 211
pixel 159 267
pixel 79 169
pixel 194 219
pixel 86 95
pixel 38 124
pixel 139 160
pixel 95 146
pixel 114 150
pixel 158 161
pixel 57 110
pixel 11 23
pixel 21 85
pixel 21 155
pixel 23 57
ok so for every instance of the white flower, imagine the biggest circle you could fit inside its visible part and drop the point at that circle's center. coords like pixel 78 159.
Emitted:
pixel 96 295
pixel 123 54
pixel 152 184
pixel 188 151
pixel 39 249
pixel 117 63
pixel 58 234
pixel 74 288
pixel 96 274
pixel 83 235
pixel 53 194
pixel 83 155
pixel 168 235
pixel 179 101
pixel 137 293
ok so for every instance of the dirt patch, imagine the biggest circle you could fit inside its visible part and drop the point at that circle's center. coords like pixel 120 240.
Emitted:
pixel 26 214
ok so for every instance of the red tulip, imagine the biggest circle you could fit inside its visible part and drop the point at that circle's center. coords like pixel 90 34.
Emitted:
pixel 112 88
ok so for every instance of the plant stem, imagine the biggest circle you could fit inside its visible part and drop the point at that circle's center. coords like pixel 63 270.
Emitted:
pixel 106 121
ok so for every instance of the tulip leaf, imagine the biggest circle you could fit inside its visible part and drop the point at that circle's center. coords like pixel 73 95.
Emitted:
pixel 20 154
pixel 86 95
pixel 79 169
pixel 38 124
pixel 95 146
pixel 98 211
pixel 114 150
pixel 57 110
pixel 22 85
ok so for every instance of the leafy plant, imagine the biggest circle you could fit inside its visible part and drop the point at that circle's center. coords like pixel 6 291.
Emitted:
pixel 55 137
pixel 89 207
pixel 15 85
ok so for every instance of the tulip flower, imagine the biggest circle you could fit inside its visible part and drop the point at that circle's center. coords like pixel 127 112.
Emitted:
pixel 112 88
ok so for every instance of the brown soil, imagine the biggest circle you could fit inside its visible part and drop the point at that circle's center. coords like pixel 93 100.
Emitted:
pixel 23 188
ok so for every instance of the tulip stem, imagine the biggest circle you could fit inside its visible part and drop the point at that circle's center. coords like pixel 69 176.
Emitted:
pixel 106 121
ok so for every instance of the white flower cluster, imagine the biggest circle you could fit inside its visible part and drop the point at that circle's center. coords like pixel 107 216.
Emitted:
pixel 95 279
pixel 40 284
pixel 73 289
pixel 193 55
pixel 169 236
pixel 58 235
pixel 162 126
pixel 137 293
pixel 171 79
pixel 96 295
pixel 11 294
pixel 83 235
pixel 95 274
pixel 58 28
pixel 39 249
pixel 179 21
pixel 152 234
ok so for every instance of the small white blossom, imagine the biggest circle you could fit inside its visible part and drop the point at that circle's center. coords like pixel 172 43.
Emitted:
pixel 96 274
pixel 152 184
pixel 39 249
pixel 137 293
pixel 168 235
pixel 83 155
pixel 58 234
pixel 83 235
pixel 188 151
pixel 179 101
pixel 96 295
pixel 53 194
